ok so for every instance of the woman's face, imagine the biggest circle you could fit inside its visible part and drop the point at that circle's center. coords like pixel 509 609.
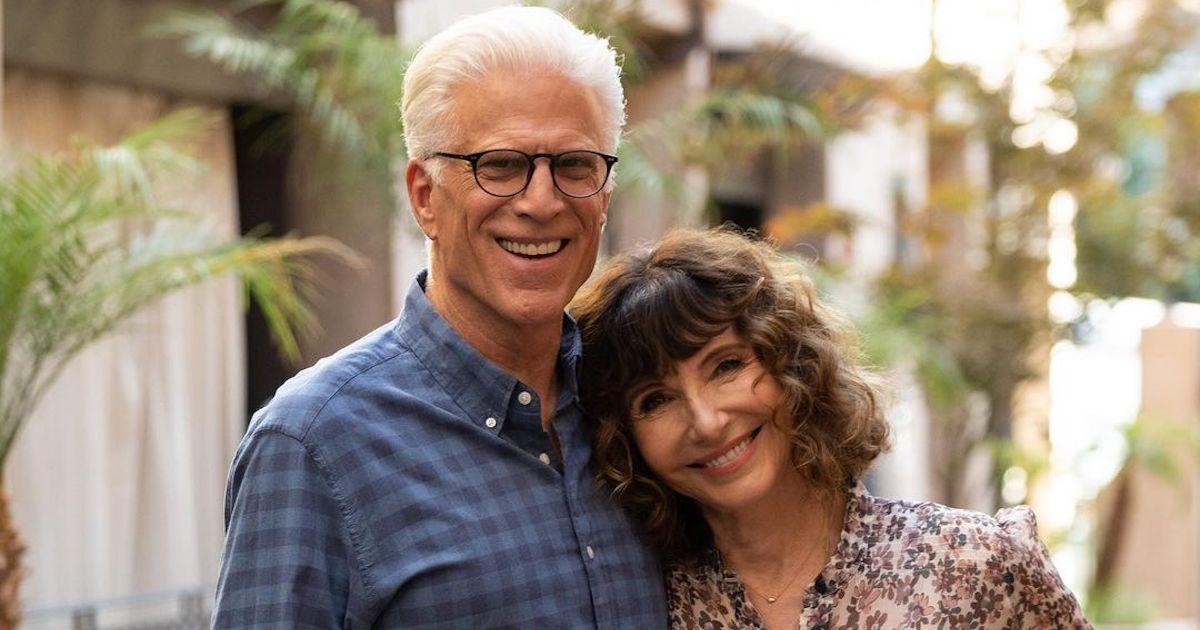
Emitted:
pixel 710 430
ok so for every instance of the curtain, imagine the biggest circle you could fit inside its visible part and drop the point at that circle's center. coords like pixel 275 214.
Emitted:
pixel 117 481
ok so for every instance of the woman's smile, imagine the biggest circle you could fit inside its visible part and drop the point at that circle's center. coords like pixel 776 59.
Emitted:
pixel 731 458
pixel 709 427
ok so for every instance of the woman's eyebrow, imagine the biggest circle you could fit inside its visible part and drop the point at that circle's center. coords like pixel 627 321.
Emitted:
pixel 721 349
pixel 643 387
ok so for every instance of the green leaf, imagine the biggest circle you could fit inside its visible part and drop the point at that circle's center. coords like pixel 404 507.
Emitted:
pixel 85 244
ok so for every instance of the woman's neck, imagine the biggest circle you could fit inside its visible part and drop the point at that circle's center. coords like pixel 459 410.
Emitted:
pixel 791 530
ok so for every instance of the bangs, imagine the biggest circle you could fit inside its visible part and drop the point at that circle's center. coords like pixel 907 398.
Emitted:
pixel 656 323
pixel 648 310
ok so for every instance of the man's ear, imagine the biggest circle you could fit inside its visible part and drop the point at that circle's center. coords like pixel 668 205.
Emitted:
pixel 420 191
pixel 607 199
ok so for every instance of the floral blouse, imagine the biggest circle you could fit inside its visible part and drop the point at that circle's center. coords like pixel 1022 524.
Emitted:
pixel 901 564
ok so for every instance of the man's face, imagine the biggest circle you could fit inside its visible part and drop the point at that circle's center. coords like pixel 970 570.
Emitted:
pixel 486 269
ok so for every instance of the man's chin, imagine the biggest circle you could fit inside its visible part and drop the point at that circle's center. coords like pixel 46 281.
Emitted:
pixel 533 309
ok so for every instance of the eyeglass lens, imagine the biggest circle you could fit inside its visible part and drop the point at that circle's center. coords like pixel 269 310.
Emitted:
pixel 576 173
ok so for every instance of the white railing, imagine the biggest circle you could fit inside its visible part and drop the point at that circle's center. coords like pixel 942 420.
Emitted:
pixel 170 609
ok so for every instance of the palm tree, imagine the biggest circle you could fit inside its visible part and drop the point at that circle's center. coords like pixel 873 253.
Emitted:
pixel 85 244
pixel 340 74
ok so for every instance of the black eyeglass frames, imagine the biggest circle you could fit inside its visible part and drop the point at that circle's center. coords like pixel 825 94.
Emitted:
pixel 507 172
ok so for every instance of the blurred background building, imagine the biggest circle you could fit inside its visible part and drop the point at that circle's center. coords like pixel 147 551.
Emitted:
pixel 1003 193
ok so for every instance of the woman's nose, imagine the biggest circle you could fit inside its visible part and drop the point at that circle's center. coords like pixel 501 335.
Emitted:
pixel 707 419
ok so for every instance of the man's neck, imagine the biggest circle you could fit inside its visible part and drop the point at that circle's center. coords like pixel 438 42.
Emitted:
pixel 528 351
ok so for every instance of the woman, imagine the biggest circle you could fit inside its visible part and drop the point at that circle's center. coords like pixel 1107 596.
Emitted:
pixel 735 424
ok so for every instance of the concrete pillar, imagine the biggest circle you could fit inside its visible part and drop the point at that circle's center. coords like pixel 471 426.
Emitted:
pixel 639 216
pixel 348 302
pixel 1158 556
pixel 956 190
pixel 326 198
pixel 1183 131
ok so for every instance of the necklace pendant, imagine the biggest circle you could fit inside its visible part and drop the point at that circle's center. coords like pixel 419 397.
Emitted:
pixel 771 600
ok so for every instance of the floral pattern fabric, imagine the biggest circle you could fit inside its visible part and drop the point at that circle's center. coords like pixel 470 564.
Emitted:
pixel 901 564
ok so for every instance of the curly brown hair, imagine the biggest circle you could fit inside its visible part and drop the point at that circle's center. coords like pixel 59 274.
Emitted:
pixel 649 309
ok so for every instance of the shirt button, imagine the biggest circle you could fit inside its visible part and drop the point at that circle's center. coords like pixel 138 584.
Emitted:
pixel 545 457
pixel 490 422
pixel 591 553
pixel 524 398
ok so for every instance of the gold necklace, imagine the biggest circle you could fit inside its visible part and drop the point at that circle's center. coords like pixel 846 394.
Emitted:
pixel 796 576
pixel 771 600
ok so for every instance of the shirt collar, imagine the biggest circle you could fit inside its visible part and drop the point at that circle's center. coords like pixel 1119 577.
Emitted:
pixel 570 348
pixel 481 388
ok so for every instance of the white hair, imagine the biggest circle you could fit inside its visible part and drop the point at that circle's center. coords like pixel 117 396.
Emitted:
pixel 518 39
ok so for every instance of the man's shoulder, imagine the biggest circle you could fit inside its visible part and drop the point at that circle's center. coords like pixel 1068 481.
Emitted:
pixel 354 372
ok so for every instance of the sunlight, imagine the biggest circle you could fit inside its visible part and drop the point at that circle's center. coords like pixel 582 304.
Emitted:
pixel 896 37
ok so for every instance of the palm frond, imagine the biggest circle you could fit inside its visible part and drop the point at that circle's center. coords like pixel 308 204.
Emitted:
pixel 647 157
pixel 625 27
pixel 721 125
pixel 85 244
pixel 227 42
pixel 737 122
pixel 341 73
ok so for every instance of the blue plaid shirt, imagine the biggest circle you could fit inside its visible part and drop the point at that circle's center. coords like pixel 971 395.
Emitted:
pixel 406 481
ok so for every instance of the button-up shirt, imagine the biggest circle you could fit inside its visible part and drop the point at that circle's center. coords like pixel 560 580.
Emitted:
pixel 407 481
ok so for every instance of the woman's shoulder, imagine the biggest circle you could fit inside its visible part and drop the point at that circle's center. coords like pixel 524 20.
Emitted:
pixel 993 568
pixel 898 524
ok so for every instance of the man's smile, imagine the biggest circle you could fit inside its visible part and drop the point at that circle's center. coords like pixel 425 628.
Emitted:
pixel 533 249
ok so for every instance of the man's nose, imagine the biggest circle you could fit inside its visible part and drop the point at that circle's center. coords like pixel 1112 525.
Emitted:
pixel 540 199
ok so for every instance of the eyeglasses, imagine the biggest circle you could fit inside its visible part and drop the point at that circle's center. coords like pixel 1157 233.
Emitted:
pixel 507 172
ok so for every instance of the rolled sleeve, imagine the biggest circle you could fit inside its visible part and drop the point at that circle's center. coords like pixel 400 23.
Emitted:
pixel 287 556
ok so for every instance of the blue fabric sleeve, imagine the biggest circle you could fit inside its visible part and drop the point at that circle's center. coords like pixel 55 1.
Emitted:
pixel 287 557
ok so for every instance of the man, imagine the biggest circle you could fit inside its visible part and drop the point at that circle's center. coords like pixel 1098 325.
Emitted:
pixel 435 473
